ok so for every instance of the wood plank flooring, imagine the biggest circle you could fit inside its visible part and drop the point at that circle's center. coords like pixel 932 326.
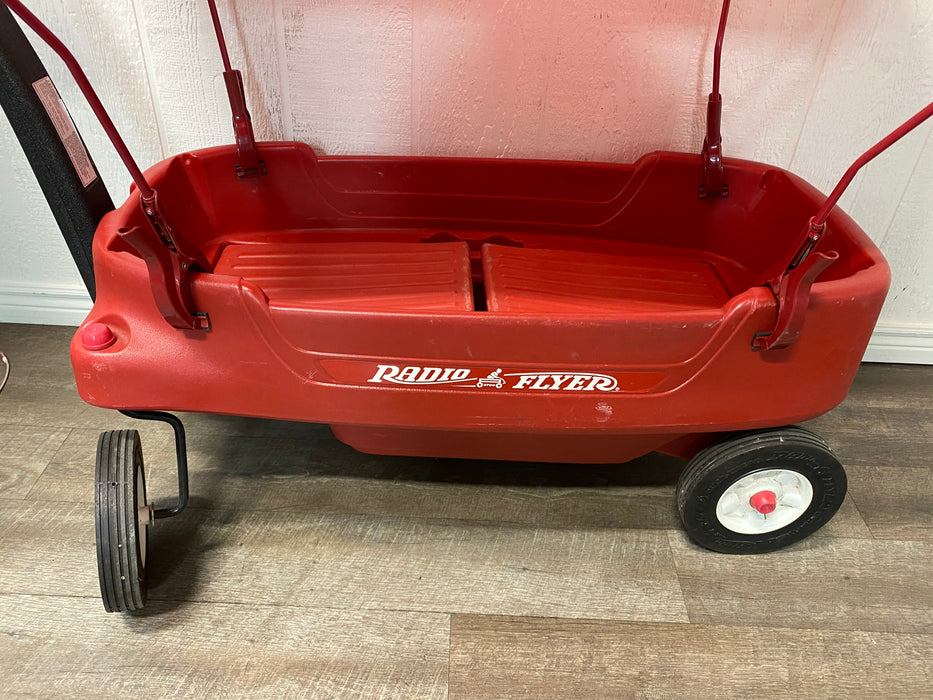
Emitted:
pixel 304 569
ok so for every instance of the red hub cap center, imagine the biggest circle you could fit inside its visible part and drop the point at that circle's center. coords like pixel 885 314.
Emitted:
pixel 764 502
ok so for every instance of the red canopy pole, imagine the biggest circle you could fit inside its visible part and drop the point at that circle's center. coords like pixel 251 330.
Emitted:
pixel 817 223
pixel 713 178
pixel 248 162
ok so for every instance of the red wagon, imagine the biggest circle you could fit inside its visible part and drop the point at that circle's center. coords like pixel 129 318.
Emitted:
pixel 500 309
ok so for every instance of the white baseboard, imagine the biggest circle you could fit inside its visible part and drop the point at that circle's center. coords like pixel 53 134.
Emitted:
pixel 46 305
pixel 901 343
pixel 68 305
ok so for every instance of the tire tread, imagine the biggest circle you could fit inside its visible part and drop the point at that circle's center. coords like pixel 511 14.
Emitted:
pixel 118 466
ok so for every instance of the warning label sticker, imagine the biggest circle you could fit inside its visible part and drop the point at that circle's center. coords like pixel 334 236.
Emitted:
pixel 65 127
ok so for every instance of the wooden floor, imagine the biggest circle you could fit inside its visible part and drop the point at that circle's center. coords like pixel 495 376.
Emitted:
pixel 305 569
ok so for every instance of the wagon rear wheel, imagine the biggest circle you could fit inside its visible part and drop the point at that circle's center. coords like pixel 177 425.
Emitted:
pixel 122 517
pixel 758 492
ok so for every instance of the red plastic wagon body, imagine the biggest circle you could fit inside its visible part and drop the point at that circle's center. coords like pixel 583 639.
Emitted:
pixel 483 308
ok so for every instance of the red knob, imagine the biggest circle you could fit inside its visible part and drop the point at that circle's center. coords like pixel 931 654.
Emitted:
pixel 764 502
pixel 97 336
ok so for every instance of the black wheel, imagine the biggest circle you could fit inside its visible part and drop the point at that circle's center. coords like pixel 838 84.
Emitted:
pixel 122 518
pixel 757 492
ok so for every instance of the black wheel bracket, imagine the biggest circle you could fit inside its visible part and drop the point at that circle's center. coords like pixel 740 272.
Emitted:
pixel 181 458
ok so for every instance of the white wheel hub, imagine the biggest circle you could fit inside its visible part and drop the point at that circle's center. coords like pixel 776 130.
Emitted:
pixel 764 501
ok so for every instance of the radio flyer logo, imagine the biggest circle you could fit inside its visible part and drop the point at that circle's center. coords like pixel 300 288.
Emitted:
pixel 413 375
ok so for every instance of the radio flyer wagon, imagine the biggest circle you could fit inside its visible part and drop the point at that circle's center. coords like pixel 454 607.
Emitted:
pixel 479 308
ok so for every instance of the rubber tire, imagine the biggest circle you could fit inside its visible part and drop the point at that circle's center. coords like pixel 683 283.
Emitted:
pixel 716 468
pixel 120 565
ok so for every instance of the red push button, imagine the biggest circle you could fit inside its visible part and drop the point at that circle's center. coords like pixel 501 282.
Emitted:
pixel 97 336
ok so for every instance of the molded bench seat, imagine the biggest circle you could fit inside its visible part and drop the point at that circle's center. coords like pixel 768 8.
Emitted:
pixel 354 276
pixel 542 281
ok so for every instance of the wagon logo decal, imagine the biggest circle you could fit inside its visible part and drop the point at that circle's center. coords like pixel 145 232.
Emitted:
pixel 492 379
pixel 530 381
pixel 413 375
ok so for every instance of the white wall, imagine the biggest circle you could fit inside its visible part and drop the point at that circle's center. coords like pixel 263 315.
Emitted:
pixel 808 85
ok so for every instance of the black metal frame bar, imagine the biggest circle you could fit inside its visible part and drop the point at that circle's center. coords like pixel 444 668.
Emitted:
pixel 77 209
pixel 181 458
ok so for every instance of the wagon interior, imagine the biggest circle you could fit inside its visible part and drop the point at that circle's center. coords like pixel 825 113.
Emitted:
pixel 462 236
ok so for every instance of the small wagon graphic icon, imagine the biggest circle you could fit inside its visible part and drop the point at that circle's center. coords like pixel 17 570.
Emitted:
pixel 494 379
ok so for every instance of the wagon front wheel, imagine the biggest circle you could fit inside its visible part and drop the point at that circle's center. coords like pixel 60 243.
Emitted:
pixel 122 518
pixel 759 492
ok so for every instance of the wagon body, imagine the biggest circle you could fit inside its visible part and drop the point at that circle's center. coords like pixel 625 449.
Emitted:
pixel 525 310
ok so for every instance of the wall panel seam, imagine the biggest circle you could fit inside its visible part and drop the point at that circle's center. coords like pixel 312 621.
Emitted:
pixel 278 20
pixel 816 83
pixel 146 53
pixel 921 152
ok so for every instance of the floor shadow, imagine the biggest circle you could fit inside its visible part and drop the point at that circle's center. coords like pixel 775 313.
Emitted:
pixel 240 456
pixel 650 470
pixel 314 451
pixel 176 546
